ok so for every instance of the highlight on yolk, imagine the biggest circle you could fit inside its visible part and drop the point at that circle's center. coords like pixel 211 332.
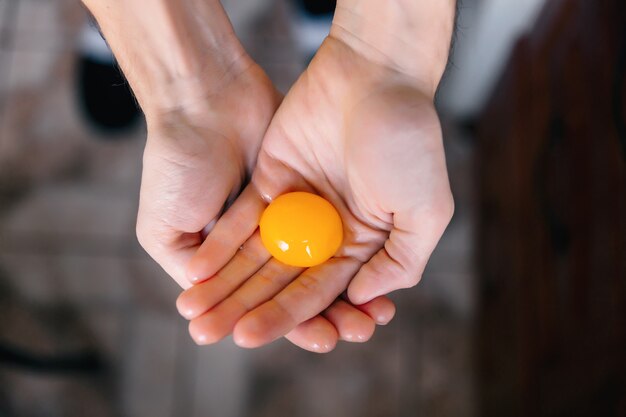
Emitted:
pixel 301 229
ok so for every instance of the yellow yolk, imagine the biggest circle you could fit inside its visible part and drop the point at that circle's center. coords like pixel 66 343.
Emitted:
pixel 301 229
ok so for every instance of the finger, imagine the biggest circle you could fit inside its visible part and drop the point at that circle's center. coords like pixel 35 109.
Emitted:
pixel 315 335
pixel 401 262
pixel 219 322
pixel 174 261
pixel 171 249
pixel 234 227
pixel 308 295
pixel 380 309
pixel 272 178
pixel 205 295
pixel 320 334
pixel 352 324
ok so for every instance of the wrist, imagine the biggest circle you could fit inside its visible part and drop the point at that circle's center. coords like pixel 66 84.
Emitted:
pixel 410 37
pixel 170 51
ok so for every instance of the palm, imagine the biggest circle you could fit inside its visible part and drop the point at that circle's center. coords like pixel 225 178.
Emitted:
pixel 306 149
pixel 373 154
pixel 357 134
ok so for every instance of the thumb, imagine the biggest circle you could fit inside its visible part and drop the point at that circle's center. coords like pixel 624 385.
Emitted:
pixel 401 262
pixel 398 163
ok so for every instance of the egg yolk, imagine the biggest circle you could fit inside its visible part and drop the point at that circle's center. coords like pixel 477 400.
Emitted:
pixel 301 229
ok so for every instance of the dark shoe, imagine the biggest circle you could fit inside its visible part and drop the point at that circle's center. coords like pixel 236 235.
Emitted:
pixel 106 99
pixel 317 7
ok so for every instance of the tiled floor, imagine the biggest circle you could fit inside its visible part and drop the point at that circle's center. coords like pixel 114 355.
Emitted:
pixel 73 278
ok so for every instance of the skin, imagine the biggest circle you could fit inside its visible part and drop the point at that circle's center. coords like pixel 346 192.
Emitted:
pixel 207 107
pixel 359 128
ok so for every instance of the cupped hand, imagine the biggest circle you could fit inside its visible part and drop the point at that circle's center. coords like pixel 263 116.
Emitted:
pixel 198 157
pixel 366 137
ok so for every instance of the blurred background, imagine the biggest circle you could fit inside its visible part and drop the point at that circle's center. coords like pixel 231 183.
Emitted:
pixel 522 309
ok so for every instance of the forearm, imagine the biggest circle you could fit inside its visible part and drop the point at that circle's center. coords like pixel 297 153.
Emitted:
pixel 169 50
pixel 411 36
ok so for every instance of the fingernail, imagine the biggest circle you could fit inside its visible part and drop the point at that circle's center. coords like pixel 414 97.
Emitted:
pixel 200 339
pixel 194 272
pixel 182 307
pixel 188 314
pixel 323 348
pixel 321 345
pixel 240 341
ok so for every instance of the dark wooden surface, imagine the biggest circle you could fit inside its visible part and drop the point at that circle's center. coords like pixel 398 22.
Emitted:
pixel 552 172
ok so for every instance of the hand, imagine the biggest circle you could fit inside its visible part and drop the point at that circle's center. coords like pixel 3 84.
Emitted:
pixel 197 159
pixel 207 106
pixel 366 137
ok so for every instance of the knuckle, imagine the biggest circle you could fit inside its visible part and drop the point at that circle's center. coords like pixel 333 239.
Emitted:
pixel 308 283
pixel 411 280
pixel 240 302
pixel 147 239
pixel 449 208
pixel 288 313
pixel 443 209
pixel 264 278
pixel 142 235
pixel 384 265
pixel 251 257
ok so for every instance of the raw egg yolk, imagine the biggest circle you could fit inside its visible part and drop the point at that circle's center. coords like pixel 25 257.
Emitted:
pixel 301 229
